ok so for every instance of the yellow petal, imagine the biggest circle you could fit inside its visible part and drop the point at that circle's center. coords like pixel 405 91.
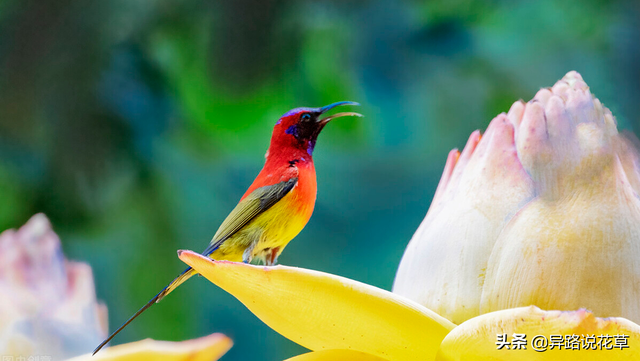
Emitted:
pixel 336 355
pixel 206 348
pixel 322 311
pixel 476 338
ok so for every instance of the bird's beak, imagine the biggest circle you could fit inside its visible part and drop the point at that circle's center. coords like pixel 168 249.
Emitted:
pixel 325 109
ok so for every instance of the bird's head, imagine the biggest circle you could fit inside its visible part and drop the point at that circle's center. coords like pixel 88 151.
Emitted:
pixel 300 127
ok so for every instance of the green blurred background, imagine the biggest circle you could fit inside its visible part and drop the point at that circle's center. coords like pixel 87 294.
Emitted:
pixel 136 125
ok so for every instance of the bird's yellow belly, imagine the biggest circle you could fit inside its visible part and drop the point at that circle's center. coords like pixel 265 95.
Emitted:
pixel 273 229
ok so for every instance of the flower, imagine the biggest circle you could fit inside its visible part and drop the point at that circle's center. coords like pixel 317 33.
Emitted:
pixel 444 264
pixel 49 308
pixel 341 319
pixel 540 211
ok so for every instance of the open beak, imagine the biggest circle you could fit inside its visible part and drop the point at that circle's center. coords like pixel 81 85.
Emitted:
pixel 325 109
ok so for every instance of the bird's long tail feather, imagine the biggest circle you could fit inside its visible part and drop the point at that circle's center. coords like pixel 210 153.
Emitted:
pixel 185 275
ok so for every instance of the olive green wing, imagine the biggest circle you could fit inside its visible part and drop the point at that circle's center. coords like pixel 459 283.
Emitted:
pixel 249 208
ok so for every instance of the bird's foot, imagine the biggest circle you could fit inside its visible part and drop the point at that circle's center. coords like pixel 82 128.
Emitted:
pixel 272 257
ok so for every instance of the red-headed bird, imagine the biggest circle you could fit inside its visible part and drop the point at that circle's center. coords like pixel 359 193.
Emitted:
pixel 278 204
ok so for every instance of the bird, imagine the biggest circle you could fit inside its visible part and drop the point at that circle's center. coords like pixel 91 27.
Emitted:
pixel 277 205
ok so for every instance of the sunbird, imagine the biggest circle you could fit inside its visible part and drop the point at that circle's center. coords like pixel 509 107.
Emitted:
pixel 277 205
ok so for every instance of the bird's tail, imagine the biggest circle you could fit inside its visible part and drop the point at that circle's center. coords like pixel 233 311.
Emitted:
pixel 185 275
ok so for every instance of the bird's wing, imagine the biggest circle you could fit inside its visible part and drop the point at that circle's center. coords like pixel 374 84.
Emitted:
pixel 249 208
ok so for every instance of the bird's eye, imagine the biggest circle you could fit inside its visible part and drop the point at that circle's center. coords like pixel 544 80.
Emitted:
pixel 305 117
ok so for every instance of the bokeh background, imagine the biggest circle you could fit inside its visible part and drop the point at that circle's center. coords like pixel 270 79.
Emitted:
pixel 136 125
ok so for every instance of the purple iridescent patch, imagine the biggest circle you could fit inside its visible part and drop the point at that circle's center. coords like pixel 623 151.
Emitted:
pixel 293 130
pixel 298 110
pixel 310 146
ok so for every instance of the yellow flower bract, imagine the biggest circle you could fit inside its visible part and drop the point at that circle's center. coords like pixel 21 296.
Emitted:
pixel 208 348
pixel 476 338
pixel 336 355
pixel 321 311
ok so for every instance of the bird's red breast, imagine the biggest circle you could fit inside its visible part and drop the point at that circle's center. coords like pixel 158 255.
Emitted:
pixel 283 165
